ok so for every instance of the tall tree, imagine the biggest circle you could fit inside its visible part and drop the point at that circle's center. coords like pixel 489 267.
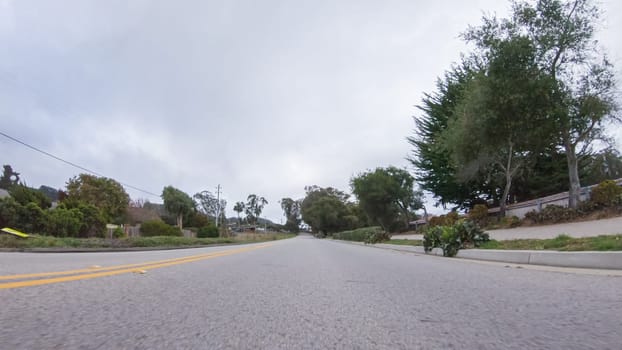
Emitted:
pixel 254 206
pixel 432 159
pixel 177 203
pixel 385 194
pixel 291 210
pixel 584 94
pixel 239 208
pixel 106 194
pixel 327 210
pixel 209 204
pixel 494 129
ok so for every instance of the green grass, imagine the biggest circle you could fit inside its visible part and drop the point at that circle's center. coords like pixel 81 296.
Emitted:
pixel 405 242
pixel 560 243
pixel 36 241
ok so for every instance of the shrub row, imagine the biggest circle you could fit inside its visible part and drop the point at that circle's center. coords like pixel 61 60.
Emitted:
pixel 158 228
pixel 367 234
pixel 82 220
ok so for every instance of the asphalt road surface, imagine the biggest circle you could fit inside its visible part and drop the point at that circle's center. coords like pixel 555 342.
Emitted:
pixel 301 293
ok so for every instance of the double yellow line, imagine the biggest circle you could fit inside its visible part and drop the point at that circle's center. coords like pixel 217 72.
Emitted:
pixel 35 279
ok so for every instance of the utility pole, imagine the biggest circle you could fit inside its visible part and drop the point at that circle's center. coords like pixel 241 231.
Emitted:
pixel 217 204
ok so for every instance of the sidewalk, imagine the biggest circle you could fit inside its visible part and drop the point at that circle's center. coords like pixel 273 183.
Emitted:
pixel 587 260
pixel 573 229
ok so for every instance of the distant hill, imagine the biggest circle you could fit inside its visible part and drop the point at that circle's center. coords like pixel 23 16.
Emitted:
pixel 260 221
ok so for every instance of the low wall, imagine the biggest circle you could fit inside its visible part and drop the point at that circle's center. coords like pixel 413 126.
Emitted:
pixel 522 208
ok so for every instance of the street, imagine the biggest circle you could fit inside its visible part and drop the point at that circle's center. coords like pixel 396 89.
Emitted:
pixel 300 293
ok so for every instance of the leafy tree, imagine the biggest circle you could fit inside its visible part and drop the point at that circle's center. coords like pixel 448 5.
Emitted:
pixel 8 178
pixel 385 194
pixel 106 194
pixel 432 159
pixel 239 208
pixel 326 210
pixel 291 210
pixel 210 205
pixel 177 203
pixel 604 165
pixel 493 131
pixel 584 93
pixel 24 195
pixel 254 206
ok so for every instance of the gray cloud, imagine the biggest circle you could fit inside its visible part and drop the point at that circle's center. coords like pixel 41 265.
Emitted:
pixel 261 97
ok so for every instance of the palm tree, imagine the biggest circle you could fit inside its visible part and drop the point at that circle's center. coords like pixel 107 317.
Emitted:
pixel 239 208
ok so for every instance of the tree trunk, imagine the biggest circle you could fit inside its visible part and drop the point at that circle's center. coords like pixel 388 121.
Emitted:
pixel 508 180
pixel 574 192
pixel 180 221
pixel 506 192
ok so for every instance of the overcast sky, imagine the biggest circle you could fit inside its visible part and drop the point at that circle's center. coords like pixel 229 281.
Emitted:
pixel 261 97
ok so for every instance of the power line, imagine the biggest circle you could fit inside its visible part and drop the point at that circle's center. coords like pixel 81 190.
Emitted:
pixel 72 164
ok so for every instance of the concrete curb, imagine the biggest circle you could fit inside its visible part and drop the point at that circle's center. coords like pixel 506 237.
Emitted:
pixel 586 260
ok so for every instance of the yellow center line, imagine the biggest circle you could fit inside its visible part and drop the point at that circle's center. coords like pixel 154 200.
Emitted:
pixel 99 273
pixel 73 272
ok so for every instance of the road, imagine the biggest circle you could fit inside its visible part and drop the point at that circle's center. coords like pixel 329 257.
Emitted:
pixel 578 229
pixel 301 293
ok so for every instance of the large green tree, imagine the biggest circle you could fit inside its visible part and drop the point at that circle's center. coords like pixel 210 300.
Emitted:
pixel 106 194
pixel 432 159
pixel 327 210
pixel 385 195
pixel 291 210
pixel 177 203
pixel 584 92
pixel 494 130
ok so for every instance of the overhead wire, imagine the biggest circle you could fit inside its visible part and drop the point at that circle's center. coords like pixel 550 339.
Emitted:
pixel 73 164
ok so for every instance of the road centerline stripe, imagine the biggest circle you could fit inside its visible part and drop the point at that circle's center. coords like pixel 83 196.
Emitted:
pixel 120 269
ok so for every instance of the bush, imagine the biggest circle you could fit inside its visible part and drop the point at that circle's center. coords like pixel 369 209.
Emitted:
pixel 64 222
pixel 510 221
pixel 9 213
pixel 432 237
pixel 158 228
pixel 552 214
pixel 607 194
pixel 444 220
pixel 32 218
pixel 377 237
pixel 362 235
pixel 479 214
pixel 93 222
pixel 118 233
pixel 209 231
pixel 451 238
